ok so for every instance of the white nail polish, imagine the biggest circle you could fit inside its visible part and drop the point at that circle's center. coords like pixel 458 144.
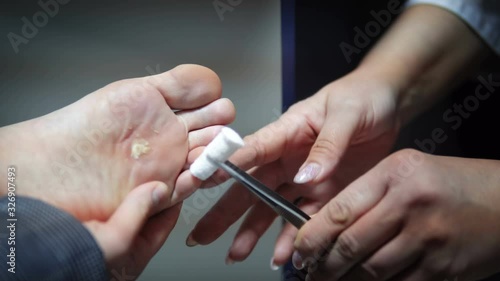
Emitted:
pixel 307 174
pixel 297 261
pixel 273 266
pixel 190 242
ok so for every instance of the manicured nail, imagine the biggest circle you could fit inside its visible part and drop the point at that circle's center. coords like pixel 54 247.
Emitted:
pixel 307 173
pixel 274 266
pixel 229 261
pixel 297 261
pixel 190 242
pixel 159 193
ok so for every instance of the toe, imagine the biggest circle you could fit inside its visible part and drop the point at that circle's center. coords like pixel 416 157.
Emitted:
pixel 187 86
pixel 219 112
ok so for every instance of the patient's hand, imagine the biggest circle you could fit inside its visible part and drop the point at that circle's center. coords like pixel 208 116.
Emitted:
pixel 136 230
pixel 86 157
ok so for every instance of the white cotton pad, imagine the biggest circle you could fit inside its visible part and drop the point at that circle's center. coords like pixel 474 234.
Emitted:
pixel 217 151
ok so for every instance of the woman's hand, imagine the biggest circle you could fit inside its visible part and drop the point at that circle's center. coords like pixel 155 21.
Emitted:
pixel 348 126
pixel 334 136
pixel 412 217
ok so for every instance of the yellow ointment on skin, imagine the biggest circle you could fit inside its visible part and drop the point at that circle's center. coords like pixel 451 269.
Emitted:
pixel 139 147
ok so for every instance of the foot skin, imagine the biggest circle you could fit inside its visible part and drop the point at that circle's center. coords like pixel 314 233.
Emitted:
pixel 86 157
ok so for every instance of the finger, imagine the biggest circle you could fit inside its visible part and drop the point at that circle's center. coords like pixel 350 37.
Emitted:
pixel 187 184
pixel 330 146
pixel 230 207
pixel 140 203
pixel 158 228
pixel 268 143
pixel 202 137
pixel 233 204
pixel 363 237
pixel 219 112
pixel 283 249
pixel 256 223
pixel 187 86
pixel 392 259
pixel 317 235
pixel 151 238
pixel 248 235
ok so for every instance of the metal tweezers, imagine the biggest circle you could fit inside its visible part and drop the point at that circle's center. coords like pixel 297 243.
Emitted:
pixel 280 205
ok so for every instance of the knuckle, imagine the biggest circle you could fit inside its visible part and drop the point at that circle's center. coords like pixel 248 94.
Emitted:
pixel 339 212
pixel 437 234
pixel 298 106
pixel 403 157
pixel 404 165
pixel 338 95
pixel 326 146
pixel 313 248
pixel 307 243
pixel 347 247
pixel 259 150
pixel 422 195
pixel 353 104
pixel 283 124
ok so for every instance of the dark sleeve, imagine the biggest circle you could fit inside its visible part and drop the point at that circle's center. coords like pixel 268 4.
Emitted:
pixel 46 244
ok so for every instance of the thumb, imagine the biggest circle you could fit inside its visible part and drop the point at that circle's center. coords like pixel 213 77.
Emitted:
pixel 329 147
pixel 140 204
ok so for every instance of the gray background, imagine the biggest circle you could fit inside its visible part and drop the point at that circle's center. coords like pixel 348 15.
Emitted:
pixel 91 43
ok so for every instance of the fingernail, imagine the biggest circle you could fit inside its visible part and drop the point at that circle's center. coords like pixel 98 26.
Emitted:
pixel 307 173
pixel 297 261
pixel 190 242
pixel 229 261
pixel 308 278
pixel 159 192
pixel 274 266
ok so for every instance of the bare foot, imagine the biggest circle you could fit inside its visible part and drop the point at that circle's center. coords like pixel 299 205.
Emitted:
pixel 86 157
